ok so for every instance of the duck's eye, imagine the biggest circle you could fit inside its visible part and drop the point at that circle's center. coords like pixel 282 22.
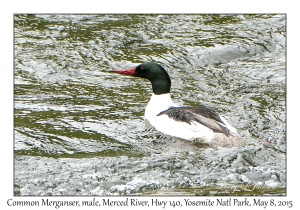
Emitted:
pixel 142 69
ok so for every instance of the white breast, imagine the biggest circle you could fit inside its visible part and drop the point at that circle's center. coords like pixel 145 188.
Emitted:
pixel 157 104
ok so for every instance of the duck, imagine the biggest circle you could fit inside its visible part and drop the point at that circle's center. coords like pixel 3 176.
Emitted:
pixel 194 124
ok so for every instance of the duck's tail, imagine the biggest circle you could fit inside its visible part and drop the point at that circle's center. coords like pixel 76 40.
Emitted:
pixel 221 140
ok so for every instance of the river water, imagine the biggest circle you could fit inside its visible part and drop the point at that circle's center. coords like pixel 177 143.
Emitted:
pixel 79 130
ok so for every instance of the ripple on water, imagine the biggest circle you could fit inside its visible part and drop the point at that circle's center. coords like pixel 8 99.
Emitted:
pixel 80 131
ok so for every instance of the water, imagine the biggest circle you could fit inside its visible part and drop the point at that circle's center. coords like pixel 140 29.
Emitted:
pixel 79 130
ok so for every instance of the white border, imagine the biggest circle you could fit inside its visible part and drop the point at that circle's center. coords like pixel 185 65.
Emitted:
pixel 154 6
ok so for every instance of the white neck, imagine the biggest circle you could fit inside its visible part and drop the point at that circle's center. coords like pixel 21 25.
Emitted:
pixel 157 104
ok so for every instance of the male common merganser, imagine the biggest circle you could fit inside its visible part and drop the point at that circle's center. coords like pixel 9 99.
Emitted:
pixel 196 124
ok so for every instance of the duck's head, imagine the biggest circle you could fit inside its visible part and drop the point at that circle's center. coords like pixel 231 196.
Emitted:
pixel 154 72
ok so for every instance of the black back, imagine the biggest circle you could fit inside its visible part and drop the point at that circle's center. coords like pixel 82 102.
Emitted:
pixel 202 115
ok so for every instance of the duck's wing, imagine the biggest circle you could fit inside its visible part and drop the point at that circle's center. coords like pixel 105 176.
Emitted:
pixel 202 115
